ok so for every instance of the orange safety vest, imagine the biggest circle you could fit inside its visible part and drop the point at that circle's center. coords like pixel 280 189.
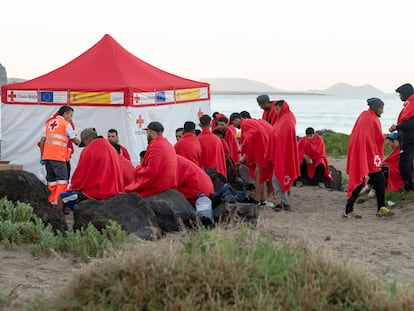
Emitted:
pixel 56 143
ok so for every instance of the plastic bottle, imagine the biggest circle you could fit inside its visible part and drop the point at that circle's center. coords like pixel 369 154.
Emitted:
pixel 204 209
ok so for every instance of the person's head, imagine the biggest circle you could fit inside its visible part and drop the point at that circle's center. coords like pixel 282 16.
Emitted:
pixel 189 127
pixel 112 136
pixel 142 155
pixel 279 105
pixel 235 119
pixel 376 104
pixel 245 115
pixel 66 112
pixel 87 135
pixel 393 140
pixel 310 133
pixel 179 133
pixel 219 132
pixel 205 121
pixel 264 102
pixel 117 147
pixel 222 122
pixel 154 129
pixel 405 91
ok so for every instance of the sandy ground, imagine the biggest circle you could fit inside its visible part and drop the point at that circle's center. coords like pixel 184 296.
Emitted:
pixel 382 246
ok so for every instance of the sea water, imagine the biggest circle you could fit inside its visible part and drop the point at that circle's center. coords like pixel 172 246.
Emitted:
pixel 337 113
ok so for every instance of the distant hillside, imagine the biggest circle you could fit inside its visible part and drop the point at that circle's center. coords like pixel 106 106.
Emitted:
pixel 234 85
pixel 15 80
pixel 344 89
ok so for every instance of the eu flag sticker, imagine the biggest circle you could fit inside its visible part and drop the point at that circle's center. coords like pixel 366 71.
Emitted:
pixel 46 97
pixel 160 97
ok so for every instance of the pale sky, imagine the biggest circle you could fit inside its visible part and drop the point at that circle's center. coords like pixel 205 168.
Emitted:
pixel 292 45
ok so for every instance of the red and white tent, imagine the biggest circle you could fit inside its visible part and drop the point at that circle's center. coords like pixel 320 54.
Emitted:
pixel 108 87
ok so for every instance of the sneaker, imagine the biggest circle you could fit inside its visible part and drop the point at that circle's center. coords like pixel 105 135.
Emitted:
pixel 299 184
pixel 351 215
pixel 365 190
pixel 278 208
pixel 384 212
pixel 286 207
pixel 321 185
pixel 372 193
pixel 269 204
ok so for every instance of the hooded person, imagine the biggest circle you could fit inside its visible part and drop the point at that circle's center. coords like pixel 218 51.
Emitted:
pixel 405 128
pixel 365 154
pixel 282 151
pixel 394 181
pixel 269 108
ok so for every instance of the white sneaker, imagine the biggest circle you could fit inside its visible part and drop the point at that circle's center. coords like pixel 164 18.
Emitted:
pixel 372 193
pixel 365 190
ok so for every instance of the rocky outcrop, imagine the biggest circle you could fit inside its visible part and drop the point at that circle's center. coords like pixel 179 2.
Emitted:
pixel 3 75
pixel 26 187
pixel 130 211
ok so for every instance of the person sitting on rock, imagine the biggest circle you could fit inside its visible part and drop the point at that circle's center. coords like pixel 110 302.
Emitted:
pixel 314 167
pixel 98 174
pixel 158 170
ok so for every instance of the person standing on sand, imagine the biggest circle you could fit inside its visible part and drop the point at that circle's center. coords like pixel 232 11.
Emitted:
pixel 405 128
pixel 365 154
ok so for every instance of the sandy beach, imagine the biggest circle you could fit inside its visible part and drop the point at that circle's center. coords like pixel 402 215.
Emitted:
pixel 384 247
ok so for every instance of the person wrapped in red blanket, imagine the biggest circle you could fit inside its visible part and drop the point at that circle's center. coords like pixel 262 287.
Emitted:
pixel 312 156
pixel 365 154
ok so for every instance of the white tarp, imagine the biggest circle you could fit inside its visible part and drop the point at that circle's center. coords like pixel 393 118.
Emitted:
pixel 22 126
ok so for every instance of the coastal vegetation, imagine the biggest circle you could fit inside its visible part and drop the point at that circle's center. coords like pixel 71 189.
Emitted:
pixel 240 269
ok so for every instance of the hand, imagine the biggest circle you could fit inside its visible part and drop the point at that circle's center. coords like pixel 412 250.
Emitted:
pixel 392 128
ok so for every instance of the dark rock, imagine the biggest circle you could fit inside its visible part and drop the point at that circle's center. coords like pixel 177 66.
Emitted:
pixel 218 179
pixel 26 187
pixel 336 182
pixel 128 210
pixel 227 213
pixel 172 209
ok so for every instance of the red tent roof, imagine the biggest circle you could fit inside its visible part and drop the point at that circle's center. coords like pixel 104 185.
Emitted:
pixel 107 66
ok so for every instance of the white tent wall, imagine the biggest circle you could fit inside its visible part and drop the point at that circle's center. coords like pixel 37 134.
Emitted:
pixel 23 125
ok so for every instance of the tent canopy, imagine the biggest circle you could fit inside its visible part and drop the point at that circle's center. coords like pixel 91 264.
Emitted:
pixel 106 74
pixel 108 87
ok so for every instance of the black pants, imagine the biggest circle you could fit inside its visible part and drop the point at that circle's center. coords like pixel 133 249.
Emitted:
pixel 406 165
pixel 316 179
pixel 377 181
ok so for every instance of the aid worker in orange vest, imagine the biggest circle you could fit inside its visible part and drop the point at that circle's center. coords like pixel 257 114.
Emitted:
pixel 55 152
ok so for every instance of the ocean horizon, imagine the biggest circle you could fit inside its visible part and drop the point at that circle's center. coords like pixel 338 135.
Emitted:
pixel 336 113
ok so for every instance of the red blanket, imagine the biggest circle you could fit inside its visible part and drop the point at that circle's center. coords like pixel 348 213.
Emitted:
pixel 212 152
pixel 270 115
pixel 408 110
pixel 192 180
pixel 365 149
pixel 282 148
pixel 158 170
pixel 394 178
pixel 189 147
pixel 314 148
pixel 98 173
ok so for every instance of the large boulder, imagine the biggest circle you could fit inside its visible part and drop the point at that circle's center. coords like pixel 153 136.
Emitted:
pixel 218 179
pixel 128 210
pixel 26 187
pixel 172 209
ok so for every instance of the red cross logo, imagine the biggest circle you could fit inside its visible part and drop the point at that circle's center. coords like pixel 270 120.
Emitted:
pixel 199 113
pixel 53 125
pixel 136 99
pixel 11 95
pixel 287 180
pixel 377 161
pixel 140 121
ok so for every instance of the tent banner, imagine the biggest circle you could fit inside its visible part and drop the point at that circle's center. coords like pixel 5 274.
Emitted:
pixel 54 97
pixel 191 94
pixel 152 98
pixel 113 98
pixel 17 96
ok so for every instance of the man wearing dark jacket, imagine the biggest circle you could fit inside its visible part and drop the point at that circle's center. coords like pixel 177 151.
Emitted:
pixel 405 128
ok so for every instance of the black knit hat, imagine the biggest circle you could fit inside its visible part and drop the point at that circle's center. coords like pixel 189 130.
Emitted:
pixel 406 90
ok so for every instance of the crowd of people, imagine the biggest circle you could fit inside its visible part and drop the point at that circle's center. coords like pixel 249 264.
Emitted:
pixel 275 156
